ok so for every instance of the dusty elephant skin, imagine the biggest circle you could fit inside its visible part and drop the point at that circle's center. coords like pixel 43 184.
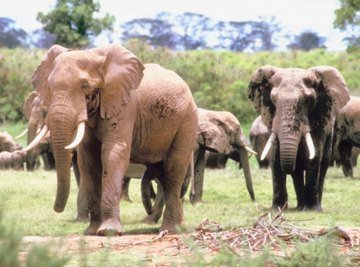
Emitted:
pixel 118 110
pixel 219 132
pixel 298 106
pixel 35 112
pixel 347 135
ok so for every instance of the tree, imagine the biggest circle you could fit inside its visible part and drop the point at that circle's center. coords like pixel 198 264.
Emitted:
pixel 307 40
pixel 73 24
pixel 156 32
pixel 233 35
pixel 348 19
pixel 42 39
pixel 192 29
pixel 10 36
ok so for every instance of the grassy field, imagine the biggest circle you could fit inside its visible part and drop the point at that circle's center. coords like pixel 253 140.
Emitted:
pixel 27 200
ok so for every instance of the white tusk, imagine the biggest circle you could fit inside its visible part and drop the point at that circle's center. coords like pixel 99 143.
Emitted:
pixel 79 136
pixel 37 139
pixel 250 150
pixel 268 146
pixel 310 145
pixel 22 134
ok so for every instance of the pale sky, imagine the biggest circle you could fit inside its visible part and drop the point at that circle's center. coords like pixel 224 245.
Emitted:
pixel 294 15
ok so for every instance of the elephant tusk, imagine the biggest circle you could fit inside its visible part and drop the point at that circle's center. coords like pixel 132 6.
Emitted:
pixel 79 136
pixel 268 146
pixel 310 145
pixel 22 134
pixel 250 150
pixel 37 139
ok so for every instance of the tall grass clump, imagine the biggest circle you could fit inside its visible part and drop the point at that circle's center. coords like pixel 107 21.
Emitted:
pixel 10 248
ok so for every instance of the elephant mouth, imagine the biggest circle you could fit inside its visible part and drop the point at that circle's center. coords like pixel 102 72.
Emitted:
pixel 308 140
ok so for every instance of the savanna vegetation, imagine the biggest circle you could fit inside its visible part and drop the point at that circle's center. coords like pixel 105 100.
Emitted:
pixel 218 79
pixel 27 200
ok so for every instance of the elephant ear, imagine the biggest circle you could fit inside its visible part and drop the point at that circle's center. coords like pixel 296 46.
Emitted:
pixel 40 76
pixel 123 72
pixel 259 90
pixel 211 132
pixel 332 94
pixel 27 107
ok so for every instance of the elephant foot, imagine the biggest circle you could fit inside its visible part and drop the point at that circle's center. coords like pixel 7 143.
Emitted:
pixel 194 199
pixel 278 207
pixel 170 227
pixel 150 219
pixel 110 227
pixel 313 208
pixel 82 217
pixel 92 229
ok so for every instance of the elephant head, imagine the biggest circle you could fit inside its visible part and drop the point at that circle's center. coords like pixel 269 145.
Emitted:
pixel 296 104
pixel 78 87
pixel 220 132
pixel 35 112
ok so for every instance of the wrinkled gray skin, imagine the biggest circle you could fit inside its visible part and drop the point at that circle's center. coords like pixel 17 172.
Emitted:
pixel 219 132
pixel 35 113
pixel 131 111
pixel 259 135
pixel 7 143
pixel 11 157
pixel 347 135
pixel 294 102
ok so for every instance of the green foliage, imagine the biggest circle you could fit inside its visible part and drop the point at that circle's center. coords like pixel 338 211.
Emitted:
pixel 218 79
pixel 73 22
pixel 16 69
pixel 348 19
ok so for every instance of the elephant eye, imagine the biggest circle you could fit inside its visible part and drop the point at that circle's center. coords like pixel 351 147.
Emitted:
pixel 84 86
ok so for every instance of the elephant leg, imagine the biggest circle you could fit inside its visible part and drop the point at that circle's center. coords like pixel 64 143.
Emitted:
pixel 158 206
pixel 125 189
pixel 345 158
pixel 90 183
pixel 298 181
pixel 82 199
pixel 115 159
pixel 325 163
pixel 199 168
pixel 175 169
pixel 280 195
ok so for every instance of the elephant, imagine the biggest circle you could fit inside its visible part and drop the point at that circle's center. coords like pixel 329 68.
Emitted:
pixel 35 112
pixel 11 155
pixel 114 109
pixel 215 160
pixel 299 107
pixel 7 143
pixel 218 132
pixel 259 134
pixel 347 135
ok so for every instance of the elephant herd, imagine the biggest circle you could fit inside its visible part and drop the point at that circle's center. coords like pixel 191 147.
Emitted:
pixel 103 111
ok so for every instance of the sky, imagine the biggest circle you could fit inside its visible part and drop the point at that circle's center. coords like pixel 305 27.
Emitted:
pixel 295 16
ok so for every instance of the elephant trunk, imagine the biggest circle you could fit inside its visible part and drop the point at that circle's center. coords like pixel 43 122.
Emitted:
pixel 62 127
pixel 289 136
pixel 244 161
pixel 31 155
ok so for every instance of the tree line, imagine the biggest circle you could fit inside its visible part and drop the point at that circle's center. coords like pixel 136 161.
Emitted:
pixel 73 23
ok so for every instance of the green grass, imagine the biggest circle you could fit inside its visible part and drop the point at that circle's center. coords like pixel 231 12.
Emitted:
pixel 27 198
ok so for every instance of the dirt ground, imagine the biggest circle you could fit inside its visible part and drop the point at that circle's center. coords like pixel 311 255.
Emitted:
pixel 170 249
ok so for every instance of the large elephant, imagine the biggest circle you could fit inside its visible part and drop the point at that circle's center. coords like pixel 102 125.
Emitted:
pixel 299 107
pixel 219 132
pixel 259 134
pixel 347 135
pixel 115 109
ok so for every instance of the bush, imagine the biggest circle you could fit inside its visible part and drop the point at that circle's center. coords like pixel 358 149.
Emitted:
pixel 217 79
